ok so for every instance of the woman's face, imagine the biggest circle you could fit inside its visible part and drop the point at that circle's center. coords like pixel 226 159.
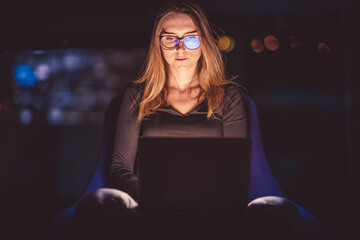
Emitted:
pixel 180 58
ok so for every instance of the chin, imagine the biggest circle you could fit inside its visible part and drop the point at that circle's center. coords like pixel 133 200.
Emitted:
pixel 183 66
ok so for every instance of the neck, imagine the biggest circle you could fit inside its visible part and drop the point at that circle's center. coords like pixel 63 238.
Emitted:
pixel 182 79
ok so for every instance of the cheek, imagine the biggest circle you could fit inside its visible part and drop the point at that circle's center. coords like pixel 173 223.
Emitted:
pixel 197 54
pixel 166 55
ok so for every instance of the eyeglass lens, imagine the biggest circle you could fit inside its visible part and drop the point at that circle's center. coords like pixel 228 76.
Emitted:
pixel 171 42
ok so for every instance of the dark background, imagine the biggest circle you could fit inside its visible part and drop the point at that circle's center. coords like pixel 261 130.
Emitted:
pixel 307 100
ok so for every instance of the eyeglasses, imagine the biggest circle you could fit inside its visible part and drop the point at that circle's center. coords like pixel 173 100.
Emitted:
pixel 170 42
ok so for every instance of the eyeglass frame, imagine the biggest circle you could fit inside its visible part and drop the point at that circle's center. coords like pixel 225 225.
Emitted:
pixel 180 39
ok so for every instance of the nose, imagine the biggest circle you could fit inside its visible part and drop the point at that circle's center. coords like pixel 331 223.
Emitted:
pixel 180 45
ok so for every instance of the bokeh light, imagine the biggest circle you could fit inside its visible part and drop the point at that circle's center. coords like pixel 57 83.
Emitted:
pixel 63 99
pixel 294 42
pixel 226 43
pixel 71 84
pixel 257 45
pixel 25 76
pixel 42 72
pixel 26 116
pixel 21 98
pixel 271 43
pixel 38 52
pixel 324 48
pixel 72 62
pixel 55 116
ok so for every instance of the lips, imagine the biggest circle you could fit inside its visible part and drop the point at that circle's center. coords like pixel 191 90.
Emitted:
pixel 180 59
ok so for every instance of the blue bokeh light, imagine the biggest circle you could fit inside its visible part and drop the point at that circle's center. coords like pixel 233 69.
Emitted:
pixel 25 76
pixel 26 116
pixel 55 116
pixel 42 71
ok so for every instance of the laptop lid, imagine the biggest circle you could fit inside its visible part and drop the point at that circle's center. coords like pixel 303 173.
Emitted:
pixel 194 173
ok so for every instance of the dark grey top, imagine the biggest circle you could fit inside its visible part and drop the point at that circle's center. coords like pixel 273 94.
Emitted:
pixel 229 120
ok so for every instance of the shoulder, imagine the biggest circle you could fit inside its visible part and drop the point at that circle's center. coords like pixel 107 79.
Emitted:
pixel 233 91
pixel 133 92
pixel 129 96
pixel 132 89
pixel 234 98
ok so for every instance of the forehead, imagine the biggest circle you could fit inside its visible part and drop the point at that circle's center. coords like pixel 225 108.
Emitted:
pixel 178 23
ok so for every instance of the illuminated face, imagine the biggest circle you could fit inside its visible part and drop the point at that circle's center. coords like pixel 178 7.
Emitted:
pixel 180 57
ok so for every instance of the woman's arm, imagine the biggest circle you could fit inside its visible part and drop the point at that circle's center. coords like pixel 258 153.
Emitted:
pixel 234 113
pixel 121 170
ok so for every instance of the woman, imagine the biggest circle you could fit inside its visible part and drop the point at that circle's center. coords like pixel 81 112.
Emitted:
pixel 183 91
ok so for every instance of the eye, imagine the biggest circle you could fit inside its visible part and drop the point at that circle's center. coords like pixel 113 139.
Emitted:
pixel 169 38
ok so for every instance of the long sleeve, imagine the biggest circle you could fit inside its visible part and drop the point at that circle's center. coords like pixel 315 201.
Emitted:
pixel 234 113
pixel 121 172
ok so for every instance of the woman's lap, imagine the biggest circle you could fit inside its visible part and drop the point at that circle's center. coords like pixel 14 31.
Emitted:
pixel 114 212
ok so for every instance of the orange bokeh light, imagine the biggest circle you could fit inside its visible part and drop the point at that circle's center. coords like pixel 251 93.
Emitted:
pixel 271 43
pixel 257 45
pixel 226 43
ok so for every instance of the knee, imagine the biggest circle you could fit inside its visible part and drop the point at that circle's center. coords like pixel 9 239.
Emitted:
pixel 274 205
pixel 102 198
pixel 276 212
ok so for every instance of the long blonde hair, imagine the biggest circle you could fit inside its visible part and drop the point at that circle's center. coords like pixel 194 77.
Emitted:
pixel 210 71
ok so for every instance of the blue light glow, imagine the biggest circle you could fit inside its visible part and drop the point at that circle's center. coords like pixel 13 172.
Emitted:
pixel 55 116
pixel 42 72
pixel 25 76
pixel 73 62
pixel 25 116
pixel 192 42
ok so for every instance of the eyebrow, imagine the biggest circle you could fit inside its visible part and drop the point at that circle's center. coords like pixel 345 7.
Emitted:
pixel 176 34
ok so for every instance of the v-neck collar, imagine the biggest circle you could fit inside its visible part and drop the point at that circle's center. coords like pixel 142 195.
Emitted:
pixel 196 110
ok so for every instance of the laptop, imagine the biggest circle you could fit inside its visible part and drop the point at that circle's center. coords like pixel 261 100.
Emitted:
pixel 193 173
